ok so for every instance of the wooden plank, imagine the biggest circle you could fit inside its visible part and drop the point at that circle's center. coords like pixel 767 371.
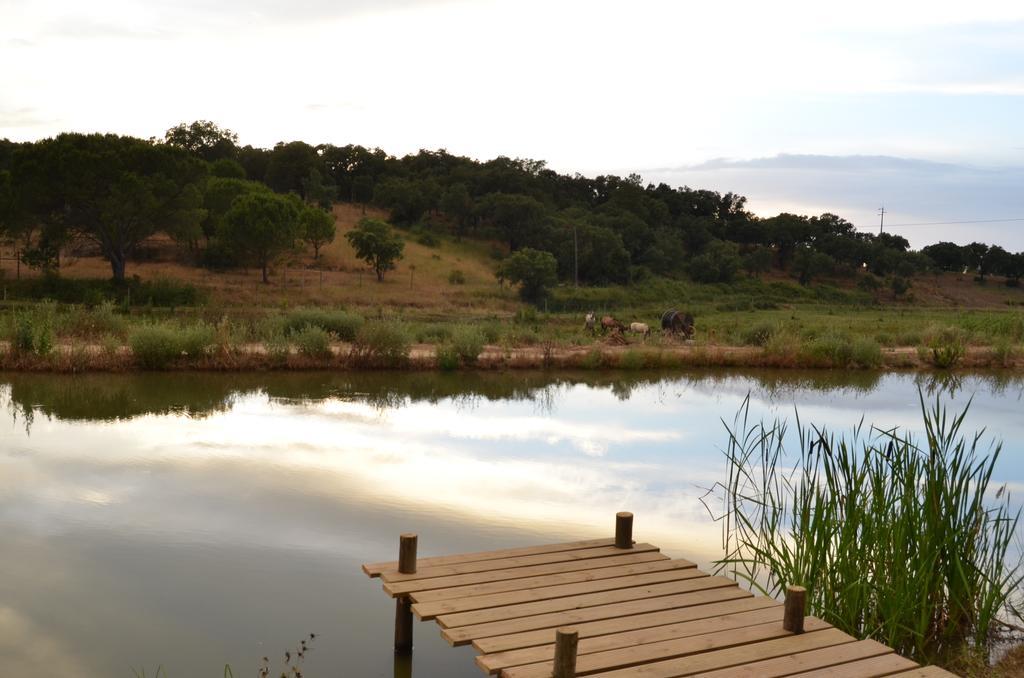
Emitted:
pixel 494 662
pixel 882 665
pixel 527 639
pixel 466 634
pixel 741 654
pixel 645 653
pixel 586 600
pixel 810 663
pixel 376 569
pixel 552 579
pixel 475 578
pixel 518 561
pixel 925 672
pixel 431 610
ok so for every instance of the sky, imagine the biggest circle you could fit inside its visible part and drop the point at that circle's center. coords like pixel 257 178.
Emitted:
pixel 800 105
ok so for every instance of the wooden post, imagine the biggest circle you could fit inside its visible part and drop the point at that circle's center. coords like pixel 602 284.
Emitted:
pixel 407 554
pixel 566 643
pixel 403 605
pixel 624 530
pixel 796 609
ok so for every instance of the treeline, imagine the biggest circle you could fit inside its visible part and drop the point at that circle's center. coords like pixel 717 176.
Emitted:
pixel 609 229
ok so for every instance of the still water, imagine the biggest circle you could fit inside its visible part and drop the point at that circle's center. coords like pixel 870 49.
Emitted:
pixel 193 520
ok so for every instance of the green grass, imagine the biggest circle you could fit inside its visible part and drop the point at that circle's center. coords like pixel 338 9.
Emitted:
pixel 895 539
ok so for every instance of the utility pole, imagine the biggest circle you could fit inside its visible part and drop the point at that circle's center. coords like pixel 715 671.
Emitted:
pixel 881 220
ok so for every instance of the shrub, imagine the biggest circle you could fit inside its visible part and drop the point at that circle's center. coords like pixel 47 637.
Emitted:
pixel 313 342
pixel 457 277
pixel 840 350
pixel 946 347
pixel 382 344
pixel 758 335
pixel 632 360
pixel 155 347
pixel 195 340
pixel 447 357
pixel 341 324
pixel 31 330
pixel 468 344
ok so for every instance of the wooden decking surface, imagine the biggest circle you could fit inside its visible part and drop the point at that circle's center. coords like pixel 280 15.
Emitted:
pixel 638 613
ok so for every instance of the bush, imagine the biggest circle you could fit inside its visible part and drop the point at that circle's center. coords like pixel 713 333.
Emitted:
pixel 758 335
pixel 382 344
pixel 447 358
pixel 341 324
pixel 195 340
pixel 31 331
pixel 155 347
pixel 468 344
pixel 457 277
pixel 313 342
pixel 945 347
pixel 632 360
pixel 840 350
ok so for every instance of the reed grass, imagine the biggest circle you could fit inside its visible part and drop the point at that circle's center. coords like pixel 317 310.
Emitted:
pixel 895 540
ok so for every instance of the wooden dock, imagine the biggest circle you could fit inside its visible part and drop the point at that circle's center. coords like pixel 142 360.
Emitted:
pixel 613 608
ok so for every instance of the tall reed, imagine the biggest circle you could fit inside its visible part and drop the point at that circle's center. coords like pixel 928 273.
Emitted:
pixel 894 540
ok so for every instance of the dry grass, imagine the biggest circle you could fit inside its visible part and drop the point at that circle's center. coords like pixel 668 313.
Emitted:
pixel 343 279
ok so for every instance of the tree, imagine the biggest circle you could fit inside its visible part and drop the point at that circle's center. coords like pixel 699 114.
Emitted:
pixel 977 255
pixel 114 191
pixel 758 260
pixel 289 165
pixel 318 192
pixel 402 197
pixel 947 256
pixel 318 228
pixel 376 243
pixel 457 204
pixel 263 226
pixel 520 219
pixel 809 264
pixel 718 263
pixel 204 139
pixel 534 271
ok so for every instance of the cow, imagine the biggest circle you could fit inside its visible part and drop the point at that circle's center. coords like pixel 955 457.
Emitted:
pixel 643 329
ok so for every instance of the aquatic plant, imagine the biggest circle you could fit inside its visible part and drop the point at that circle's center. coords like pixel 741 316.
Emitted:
pixel 895 540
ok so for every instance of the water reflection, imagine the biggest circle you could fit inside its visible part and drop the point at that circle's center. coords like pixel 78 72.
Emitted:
pixel 193 519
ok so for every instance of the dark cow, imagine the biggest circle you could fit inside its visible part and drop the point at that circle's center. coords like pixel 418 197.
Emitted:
pixel 674 322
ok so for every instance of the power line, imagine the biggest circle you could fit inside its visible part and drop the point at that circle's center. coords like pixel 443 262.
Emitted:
pixel 953 223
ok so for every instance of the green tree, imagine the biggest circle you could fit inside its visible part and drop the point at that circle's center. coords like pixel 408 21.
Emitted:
pixel 402 197
pixel 808 264
pixel 533 270
pixel 376 243
pixel 719 263
pixel 758 260
pixel 520 219
pixel 204 139
pixel 318 228
pixel 289 165
pixel 318 192
pixel 227 168
pixel 114 191
pixel 457 204
pixel 947 256
pixel 262 226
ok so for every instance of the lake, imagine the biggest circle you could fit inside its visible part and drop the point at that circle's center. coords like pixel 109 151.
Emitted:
pixel 193 520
